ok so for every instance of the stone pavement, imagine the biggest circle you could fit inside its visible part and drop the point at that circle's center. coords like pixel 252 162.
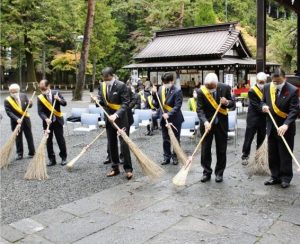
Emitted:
pixel 239 210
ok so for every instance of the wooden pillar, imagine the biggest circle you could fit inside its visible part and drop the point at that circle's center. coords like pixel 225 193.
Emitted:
pixel 298 45
pixel 261 35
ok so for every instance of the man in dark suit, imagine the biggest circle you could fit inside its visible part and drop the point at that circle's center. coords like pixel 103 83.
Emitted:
pixel 45 104
pixel 209 97
pixel 281 99
pixel 15 105
pixel 152 104
pixel 256 119
pixel 115 98
pixel 171 98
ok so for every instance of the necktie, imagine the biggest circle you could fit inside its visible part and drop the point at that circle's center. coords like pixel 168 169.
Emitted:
pixel 108 90
pixel 277 93
pixel 215 97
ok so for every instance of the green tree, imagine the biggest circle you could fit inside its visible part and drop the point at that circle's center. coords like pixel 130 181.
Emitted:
pixel 204 13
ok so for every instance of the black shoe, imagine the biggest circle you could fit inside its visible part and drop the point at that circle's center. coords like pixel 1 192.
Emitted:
pixel 19 157
pixel 51 163
pixel 285 184
pixel 30 155
pixel 107 161
pixel 165 162
pixel 63 162
pixel 219 178
pixel 175 161
pixel 245 160
pixel 205 178
pixel 272 181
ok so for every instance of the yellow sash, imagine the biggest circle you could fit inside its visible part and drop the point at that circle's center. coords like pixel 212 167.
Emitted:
pixel 258 92
pixel 273 99
pixel 142 96
pixel 16 106
pixel 150 101
pixel 193 104
pixel 212 101
pixel 163 97
pixel 110 105
pixel 49 106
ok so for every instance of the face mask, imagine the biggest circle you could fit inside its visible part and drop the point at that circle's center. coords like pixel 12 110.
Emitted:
pixel 46 92
pixel 15 95
pixel 260 86
pixel 133 90
pixel 195 95
pixel 279 86
pixel 168 86
pixel 212 90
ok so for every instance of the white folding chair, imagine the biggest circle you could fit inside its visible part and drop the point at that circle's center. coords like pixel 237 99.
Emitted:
pixel 135 124
pixel 76 112
pixel 188 127
pixel 89 122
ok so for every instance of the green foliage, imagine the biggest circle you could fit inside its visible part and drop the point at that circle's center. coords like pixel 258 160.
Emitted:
pixel 204 13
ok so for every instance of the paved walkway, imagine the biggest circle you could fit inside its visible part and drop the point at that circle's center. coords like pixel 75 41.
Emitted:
pixel 240 210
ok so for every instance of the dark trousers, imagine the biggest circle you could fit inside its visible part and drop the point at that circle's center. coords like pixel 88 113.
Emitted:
pixel 249 136
pixel 221 148
pixel 280 161
pixel 113 149
pixel 58 130
pixel 166 140
pixel 26 128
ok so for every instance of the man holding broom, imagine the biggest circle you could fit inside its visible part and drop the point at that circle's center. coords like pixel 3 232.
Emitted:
pixel 45 104
pixel 282 102
pixel 15 104
pixel 210 95
pixel 115 98
pixel 256 119
pixel 171 99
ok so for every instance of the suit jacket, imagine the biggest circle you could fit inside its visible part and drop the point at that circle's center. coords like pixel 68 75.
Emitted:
pixel 288 102
pixel 255 115
pixel 44 112
pixel 13 114
pixel 174 99
pixel 206 111
pixel 119 94
pixel 131 106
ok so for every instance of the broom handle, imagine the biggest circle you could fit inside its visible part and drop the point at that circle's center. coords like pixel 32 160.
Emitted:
pixel 27 107
pixel 107 115
pixel 161 106
pixel 204 135
pixel 285 142
pixel 95 139
pixel 52 111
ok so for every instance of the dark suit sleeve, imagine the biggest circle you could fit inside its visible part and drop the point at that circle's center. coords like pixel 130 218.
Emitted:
pixel 177 104
pixel 231 102
pixel 27 100
pixel 41 113
pixel 255 101
pixel 125 100
pixel 9 111
pixel 99 96
pixel 293 108
pixel 63 101
pixel 200 107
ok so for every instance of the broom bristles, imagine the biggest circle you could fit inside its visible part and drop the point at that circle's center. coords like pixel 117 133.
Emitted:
pixel 37 169
pixel 259 163
pixel 6 151
pixel 180 178
pixel 74 160
pixel 149 168
pixel 176 146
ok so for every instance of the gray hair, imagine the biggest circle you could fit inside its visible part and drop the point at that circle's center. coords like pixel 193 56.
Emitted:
pixel 14 86
pixel 211 78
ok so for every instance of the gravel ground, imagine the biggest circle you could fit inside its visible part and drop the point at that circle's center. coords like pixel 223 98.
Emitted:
pixel 21 198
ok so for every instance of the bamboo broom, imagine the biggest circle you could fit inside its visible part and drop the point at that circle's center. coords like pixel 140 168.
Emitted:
pixel 180 178
pixel 74 160
pixel 37 168
pixel 259 163
pixel 5 154
pixel 285 142
pixel 174 142
pixel 149 168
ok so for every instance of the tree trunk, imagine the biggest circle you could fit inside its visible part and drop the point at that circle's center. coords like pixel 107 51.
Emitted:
pixel 30 74
pixel 181 15
pixel 85 50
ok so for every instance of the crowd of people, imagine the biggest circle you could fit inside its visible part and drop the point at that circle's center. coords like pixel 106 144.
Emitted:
pixel 120 100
